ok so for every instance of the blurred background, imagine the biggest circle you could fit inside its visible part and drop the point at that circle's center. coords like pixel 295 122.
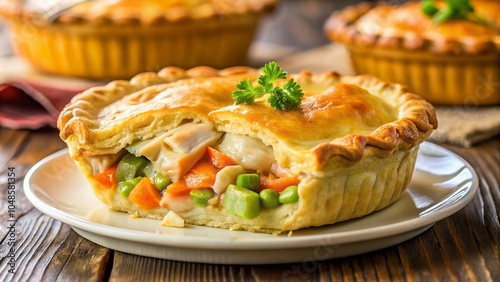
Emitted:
pixel 294 25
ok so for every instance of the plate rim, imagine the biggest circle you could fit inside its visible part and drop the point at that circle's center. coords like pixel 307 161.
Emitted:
pixel 311 240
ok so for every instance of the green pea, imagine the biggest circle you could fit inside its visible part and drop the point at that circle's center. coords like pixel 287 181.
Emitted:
pixel 125 187
pixel 248 180
pixel 269 198
pixel 289 195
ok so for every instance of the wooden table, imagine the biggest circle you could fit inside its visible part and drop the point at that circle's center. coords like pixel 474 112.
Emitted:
pixel 462 247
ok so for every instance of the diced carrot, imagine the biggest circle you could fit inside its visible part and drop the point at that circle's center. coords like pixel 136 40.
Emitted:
pixel 278 184
pixel 219 159
pixel 178 188
pixel 145 195
pixel 188 160
pixel 201 175
pixel 107 177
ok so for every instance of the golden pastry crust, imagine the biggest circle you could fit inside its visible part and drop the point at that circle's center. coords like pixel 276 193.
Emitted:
pixel 90 118
pixel 352 142
pixel 405 27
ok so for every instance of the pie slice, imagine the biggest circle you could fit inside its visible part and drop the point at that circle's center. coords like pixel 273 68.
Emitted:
pixel 173 145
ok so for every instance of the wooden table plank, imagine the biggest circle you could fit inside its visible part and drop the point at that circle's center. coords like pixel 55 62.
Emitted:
pixel 127 267
pixel 46 249
pixel 11 141
pixel 87 261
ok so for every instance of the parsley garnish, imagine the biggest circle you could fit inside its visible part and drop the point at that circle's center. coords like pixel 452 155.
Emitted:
pixel 454 9
pixel 281 98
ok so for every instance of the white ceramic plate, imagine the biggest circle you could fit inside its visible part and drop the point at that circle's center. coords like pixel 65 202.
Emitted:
pixel 442 184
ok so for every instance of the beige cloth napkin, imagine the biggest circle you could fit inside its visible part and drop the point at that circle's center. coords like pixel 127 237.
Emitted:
pixel 464 126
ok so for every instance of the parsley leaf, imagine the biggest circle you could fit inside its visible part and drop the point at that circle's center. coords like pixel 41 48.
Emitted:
pixel 281 98
pixel 246 93
pixel 287 97
pixel 454 9
pixel 271 72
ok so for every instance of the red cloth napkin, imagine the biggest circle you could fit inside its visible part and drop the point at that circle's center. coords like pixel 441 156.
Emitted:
pixel 33 104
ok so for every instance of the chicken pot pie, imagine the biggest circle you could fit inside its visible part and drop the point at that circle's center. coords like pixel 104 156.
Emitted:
pixel 447 62
pixel 116 39
pixel 173 145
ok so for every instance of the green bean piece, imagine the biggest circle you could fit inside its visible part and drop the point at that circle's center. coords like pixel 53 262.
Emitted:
pixel 242 202
pixel 125 187
pixel 129 167
pixel 248 180
pixel 269 198
pixel 201 196
pixel 160 181
pixel 289 195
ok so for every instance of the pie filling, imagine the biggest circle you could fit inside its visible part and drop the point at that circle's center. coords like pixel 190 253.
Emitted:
pixel 193 166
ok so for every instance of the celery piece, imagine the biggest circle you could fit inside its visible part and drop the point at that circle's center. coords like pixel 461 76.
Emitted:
pixel 248 180
pixel 148 170
pixel 289 195
pixel 242 202
pixel 160 181
pixel 129 166
pixel 269 198
pixel 126 186
pixel 201 196
pixel 132 148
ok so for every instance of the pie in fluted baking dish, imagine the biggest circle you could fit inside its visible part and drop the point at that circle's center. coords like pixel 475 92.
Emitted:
pixel 116 39
pixel 175 146
pixel 446 51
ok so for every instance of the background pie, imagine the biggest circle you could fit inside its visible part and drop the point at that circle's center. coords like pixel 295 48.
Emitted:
pixel 452 62
pixel 105 39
